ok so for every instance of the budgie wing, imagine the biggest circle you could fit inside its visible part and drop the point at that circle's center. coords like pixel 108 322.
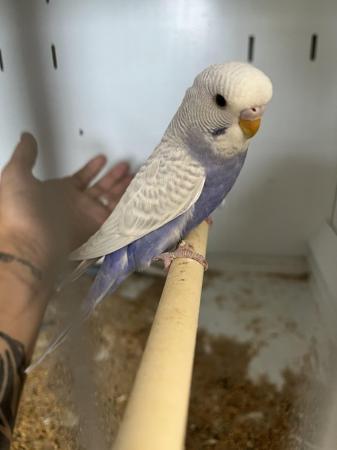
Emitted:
pixel 166 186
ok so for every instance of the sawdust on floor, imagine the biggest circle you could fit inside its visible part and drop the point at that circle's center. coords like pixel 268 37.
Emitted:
pixel 64 407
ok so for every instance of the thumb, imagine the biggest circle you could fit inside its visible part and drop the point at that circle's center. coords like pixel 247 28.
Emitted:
pixel 25 154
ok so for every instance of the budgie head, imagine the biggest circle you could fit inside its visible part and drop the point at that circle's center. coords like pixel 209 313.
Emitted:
pixel 224 105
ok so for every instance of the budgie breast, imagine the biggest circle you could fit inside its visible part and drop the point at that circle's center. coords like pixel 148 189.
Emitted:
pixel 220 178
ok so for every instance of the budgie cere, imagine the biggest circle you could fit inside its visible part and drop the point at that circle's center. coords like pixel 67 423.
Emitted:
pixel 187 176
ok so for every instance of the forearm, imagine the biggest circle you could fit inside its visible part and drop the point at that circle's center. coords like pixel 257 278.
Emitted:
pixel 23 299
pixel 22 306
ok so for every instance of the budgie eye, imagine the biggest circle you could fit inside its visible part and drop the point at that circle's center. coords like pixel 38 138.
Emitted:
pixel 220 100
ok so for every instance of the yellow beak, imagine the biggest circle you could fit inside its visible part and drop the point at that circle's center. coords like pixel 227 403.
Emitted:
pixel 249 127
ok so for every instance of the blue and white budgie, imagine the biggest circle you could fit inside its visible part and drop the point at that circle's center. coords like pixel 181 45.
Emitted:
pixel 187 176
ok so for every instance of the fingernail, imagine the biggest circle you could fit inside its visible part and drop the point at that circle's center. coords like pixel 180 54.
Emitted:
pixel 24 135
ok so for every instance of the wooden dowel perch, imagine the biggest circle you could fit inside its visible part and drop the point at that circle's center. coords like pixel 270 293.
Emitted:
pixel 156 414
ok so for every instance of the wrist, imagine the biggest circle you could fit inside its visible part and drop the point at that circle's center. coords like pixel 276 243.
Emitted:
pixel 26 248
pixel 27 261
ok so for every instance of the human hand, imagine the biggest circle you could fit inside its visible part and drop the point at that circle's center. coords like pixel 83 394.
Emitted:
pixel 42 221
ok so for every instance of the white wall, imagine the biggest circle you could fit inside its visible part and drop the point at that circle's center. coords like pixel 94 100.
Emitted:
pixel 123 67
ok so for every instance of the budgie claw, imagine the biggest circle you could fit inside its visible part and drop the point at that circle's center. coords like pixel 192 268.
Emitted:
pixel 184 250
pixel 209 220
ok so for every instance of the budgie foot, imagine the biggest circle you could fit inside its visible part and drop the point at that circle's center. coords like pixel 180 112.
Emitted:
pixel 209 220
pixel 184 250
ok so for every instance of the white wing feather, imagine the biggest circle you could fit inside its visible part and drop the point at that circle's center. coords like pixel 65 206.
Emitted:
pixel 166 186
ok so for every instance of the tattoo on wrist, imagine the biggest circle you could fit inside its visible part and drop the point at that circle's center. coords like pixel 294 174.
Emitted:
pixel 12 366
pixel 9 258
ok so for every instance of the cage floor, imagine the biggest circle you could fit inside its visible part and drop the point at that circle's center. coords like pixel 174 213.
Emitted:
pixel 257 380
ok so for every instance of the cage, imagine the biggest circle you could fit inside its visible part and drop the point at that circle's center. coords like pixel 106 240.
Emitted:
pixel 88 77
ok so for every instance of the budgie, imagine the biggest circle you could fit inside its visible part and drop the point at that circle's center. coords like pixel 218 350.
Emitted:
pixel 187 176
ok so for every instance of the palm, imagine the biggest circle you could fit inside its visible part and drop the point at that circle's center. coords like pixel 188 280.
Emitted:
pixel 83 207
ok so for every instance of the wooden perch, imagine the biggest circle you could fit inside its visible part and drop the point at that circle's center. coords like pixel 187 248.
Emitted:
pixel 156 414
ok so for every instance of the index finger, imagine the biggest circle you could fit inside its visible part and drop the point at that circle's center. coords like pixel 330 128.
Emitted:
pixel 87 173
pixel 118 172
